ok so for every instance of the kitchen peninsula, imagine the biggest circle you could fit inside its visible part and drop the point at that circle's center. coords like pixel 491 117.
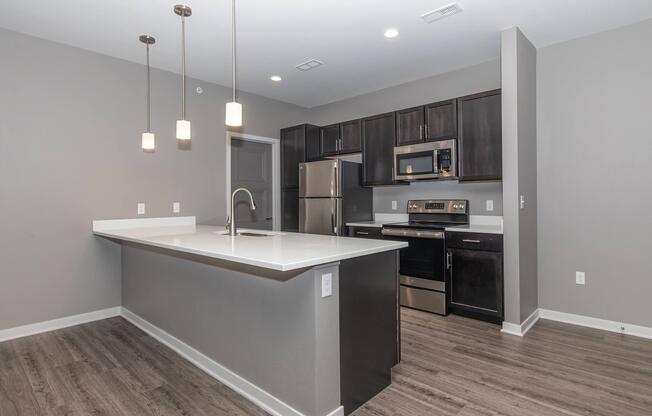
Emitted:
pixel 301 324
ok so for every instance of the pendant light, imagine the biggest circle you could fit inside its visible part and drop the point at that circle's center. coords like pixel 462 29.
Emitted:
pixel 183 125
pixel 234 108
pixel 148 139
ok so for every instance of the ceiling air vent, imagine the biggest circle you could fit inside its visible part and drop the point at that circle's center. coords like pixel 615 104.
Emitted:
pixel 308 65
pixel 440 13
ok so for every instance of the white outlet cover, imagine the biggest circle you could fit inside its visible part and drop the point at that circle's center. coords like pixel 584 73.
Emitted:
pixel 326 285
pixel 141 208
pixel 580 278
pixel 176 207
pixel 394 204
pixel 490 204
pixel 522 201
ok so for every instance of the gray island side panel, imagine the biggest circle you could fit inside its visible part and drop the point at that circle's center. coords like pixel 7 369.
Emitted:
pixel 271 328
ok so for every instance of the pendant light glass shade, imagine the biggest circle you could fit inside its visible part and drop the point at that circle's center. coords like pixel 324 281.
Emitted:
pixel 234 114
pixel 148 140
pixel 183 130
pixel 183 125
pixel 234 108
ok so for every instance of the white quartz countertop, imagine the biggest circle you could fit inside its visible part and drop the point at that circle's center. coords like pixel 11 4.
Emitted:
pixel 376 224
pixel 279 251
pixel 478 223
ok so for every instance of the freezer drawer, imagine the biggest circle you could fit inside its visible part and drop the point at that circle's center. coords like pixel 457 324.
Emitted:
pixel 320 216
pixel 320 179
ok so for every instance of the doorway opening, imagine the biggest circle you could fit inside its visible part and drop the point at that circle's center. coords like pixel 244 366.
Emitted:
pixel 253 162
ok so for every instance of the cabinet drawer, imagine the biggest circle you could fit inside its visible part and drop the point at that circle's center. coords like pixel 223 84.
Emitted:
pixel 474 241
pixel 365 232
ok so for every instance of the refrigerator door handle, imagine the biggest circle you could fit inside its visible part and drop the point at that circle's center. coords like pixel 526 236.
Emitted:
pixel 334 190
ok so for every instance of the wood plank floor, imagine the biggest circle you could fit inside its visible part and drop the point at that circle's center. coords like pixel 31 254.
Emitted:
pixel 455 366
pixel 451 366
pixel 107 367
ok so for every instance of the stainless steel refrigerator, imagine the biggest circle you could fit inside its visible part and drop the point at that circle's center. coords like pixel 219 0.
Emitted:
pixel 330 195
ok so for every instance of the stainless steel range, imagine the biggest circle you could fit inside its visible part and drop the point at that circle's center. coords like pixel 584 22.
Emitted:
pixel 424 283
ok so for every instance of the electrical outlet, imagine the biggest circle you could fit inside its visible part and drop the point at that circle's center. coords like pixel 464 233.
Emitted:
pixel 176 207
pixel 394 204
pixel 326 285
pixel 490 204
pixel 580 278
pixel 141 208
pixel 522 201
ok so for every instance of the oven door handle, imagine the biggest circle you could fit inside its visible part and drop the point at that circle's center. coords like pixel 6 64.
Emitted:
pixel 404 232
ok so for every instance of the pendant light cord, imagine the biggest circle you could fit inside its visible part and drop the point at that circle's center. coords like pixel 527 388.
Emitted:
pixel 233 45
pixel 183 67
pixel 148 92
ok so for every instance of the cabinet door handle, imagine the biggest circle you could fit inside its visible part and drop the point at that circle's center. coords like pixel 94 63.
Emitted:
pixel 362 233
pixel 471 241
pixel 421 132
pixel 425 131
pixel 449 260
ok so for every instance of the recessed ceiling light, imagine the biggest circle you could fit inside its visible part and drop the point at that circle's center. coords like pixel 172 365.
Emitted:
pixel 276 78
pixel 391 33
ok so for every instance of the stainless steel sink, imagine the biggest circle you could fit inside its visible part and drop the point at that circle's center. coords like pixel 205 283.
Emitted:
pixel 248 234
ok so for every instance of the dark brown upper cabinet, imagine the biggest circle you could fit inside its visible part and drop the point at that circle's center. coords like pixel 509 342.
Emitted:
pixel 410 124
pixel 441 121
pixel 378 139
pixel 480 136
pixel 329 140
pixel 298 144
pixel 351 136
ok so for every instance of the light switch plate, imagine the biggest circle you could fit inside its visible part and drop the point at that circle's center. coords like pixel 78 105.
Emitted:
pixel 326 285
pixel 176 207
pixel 580 278
pixel 394 204
pixel 141 208
pixel 522 201
pixel 490 204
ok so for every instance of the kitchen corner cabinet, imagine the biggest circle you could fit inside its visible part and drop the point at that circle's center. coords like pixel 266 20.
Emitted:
pixel 480 137
pixel 341 138
pixel 378 140
pixel 298 144
pixel 475 273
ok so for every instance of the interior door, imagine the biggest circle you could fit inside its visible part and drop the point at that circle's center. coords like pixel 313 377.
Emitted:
pixel 320 216
pixel 251 168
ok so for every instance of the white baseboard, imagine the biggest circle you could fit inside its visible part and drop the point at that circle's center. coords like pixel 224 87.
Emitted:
pixel 520 330
pixel 40 327
pixel 597 323
pixel 245 388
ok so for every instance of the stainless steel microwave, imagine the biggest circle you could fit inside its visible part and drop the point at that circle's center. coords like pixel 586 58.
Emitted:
pixel 430 160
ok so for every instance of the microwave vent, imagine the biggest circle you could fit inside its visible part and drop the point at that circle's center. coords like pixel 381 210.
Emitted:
pixel 442 12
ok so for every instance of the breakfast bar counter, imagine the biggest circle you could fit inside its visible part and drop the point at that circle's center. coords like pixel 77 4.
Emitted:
pixel 299 324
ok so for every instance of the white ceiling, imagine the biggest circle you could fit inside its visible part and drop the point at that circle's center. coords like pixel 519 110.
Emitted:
pixel 347 35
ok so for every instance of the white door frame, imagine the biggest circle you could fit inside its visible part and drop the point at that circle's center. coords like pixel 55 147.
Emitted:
pixel 276 172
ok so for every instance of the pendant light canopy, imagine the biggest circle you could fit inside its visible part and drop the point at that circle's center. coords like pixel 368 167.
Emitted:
pixel 183 125
pixel 234 108
pixel 148 140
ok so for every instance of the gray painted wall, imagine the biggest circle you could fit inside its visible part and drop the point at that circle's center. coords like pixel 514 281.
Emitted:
pixel 518 58
pixel 594 154
pixel 70 153
pixel 284 338
pixel 482 77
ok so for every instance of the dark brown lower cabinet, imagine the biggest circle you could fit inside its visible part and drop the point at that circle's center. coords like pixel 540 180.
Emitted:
pixel 290 209
pixel 475 268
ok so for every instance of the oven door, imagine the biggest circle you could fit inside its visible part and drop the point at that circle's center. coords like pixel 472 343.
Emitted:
pixel 422 269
